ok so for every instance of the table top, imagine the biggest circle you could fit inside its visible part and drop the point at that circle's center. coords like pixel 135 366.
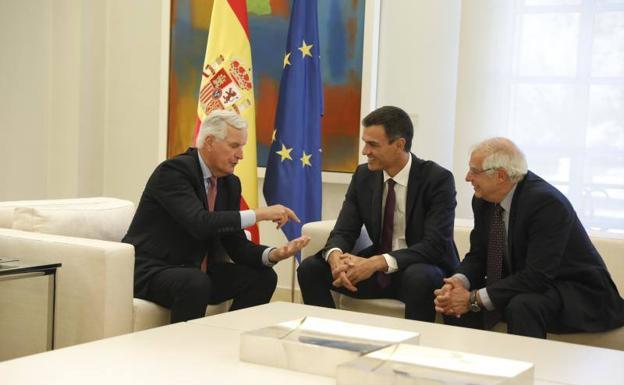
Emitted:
pixel 557 362
pixel 16 266
pixel 206 351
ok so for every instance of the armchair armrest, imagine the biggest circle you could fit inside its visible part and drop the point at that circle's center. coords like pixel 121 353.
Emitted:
pixel 318 233
pixel 94 284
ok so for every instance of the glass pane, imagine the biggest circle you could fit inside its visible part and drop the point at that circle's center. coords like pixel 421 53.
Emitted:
pixel 551 2
pixel 548 44
pixel 605 131
pixel 543 114
pixel 548 163
pixel 606 2
pixel 602 206
pixel 608 45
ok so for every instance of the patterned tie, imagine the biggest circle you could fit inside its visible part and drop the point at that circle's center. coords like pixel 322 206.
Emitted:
pixel 212 198
pixel 386 231
pixel 495 255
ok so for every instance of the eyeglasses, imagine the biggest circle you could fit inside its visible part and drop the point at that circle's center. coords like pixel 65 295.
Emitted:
pixel 475 172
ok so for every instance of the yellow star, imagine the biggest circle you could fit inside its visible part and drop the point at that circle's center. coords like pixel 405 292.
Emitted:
pixel 286 60
pixel 273 136
pixel 284 153
pixel 305 49
pixel 305 160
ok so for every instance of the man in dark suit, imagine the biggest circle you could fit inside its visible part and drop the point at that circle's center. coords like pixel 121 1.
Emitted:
pixel 531 262
pixel 188 213
pixel 407 206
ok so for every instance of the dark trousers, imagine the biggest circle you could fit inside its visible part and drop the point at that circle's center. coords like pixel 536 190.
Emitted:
pixel 413 286
pixel 526 314
pixel 187 290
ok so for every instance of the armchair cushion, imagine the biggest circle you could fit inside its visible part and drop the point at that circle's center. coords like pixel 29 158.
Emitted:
pixel 94 218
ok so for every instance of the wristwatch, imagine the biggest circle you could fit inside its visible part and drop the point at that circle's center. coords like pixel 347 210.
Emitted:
pixel 474 304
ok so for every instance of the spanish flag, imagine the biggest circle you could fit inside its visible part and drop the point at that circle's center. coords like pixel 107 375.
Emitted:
pixel 227 83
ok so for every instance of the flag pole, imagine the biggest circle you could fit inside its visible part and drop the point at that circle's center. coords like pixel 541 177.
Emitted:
pixel 292 280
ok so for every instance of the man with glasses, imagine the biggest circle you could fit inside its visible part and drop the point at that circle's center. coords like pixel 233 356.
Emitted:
pixel 530 263
pixel 407 206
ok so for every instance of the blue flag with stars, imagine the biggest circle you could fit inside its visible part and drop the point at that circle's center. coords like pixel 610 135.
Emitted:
pixel 293 172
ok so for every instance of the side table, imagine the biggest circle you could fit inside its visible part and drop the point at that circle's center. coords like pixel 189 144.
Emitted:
pixel 16 269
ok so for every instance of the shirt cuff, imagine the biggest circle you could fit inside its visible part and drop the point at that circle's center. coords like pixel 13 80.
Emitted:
pixel 392 263
pixel 464 280
pixel 265 257
pixel 485 299
pixel 328 252
pixel 248 218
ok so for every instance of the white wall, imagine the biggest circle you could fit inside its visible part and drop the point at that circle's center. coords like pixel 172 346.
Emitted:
pixel 137 58
pixel 418 54
pixel 25 30
pixel 81 97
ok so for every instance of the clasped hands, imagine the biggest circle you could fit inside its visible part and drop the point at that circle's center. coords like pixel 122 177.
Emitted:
pixel 348 269
pixel 452 299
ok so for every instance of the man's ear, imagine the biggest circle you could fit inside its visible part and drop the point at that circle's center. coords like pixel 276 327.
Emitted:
pixel 208 142
pixel 400 143
pixel 501 175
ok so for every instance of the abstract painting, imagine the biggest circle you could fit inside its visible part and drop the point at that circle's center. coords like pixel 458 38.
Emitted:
pixel 341 30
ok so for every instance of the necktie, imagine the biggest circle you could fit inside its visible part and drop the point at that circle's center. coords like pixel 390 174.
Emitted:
pixel 495 255
pixel 212 193
pixel 496 246
pixel 212 198
pixel 387 230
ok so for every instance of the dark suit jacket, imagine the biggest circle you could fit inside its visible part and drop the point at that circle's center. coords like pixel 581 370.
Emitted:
pixel 547 248
pixel 430 212
pixel 173 227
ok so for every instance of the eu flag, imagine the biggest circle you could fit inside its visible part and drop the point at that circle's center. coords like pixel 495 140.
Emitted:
pixel 293 172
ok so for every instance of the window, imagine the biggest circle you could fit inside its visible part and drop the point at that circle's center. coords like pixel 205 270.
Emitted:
pixel 555 74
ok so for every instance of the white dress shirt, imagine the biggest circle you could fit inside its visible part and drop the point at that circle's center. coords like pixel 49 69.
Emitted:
pixel 248 217
pixel 398 231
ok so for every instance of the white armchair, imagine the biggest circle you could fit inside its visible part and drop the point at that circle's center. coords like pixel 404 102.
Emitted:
pixel 95 283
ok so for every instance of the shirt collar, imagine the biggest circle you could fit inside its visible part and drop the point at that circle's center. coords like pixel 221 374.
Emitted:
pixel 506 202
pixel 402 176
pixel 205 170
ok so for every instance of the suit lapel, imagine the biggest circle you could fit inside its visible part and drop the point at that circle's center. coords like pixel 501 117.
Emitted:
pixel 412 187
pixel 513 211
pixel 377 191
pixel 200 187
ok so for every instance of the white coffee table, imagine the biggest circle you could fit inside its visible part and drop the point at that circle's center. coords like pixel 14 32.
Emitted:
pixel 205 351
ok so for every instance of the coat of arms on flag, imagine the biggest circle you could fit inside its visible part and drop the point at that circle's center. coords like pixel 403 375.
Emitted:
pixel 226 84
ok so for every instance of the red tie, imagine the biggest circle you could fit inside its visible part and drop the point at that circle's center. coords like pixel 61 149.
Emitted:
pixel 212 193
pixel 386 231
pixel 212 198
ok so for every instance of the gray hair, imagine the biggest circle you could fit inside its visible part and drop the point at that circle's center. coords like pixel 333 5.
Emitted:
pixel 503 153
pixel 216 124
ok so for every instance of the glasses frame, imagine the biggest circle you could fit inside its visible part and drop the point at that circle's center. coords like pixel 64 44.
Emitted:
pixel 479 172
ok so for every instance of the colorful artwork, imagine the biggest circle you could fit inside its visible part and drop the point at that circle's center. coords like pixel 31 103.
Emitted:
pixel 341 27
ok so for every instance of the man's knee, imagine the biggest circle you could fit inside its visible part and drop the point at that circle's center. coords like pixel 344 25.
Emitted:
pixel 268 278
pixel 422 278
pixel 197 286
pixel 310 269
pixel 521 306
